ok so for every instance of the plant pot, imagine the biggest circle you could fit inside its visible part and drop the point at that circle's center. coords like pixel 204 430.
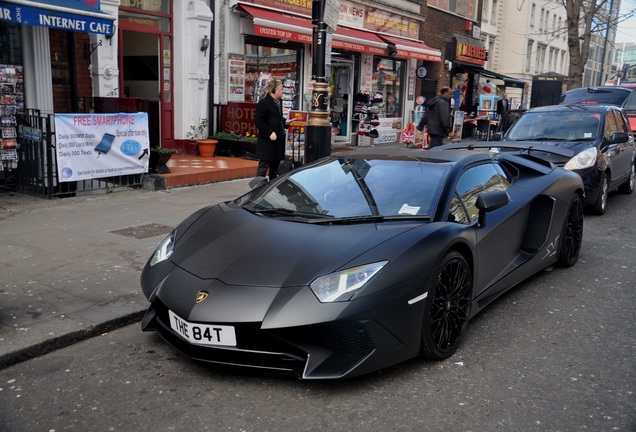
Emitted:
pixel 207 147
pixel 158 160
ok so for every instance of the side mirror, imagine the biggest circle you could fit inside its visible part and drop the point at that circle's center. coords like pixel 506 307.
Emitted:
pixel 497 136
pixel 257 182
pixel 489 201
pixel 618 137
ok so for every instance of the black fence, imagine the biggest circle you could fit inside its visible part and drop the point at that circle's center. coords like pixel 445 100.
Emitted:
pixel 37 171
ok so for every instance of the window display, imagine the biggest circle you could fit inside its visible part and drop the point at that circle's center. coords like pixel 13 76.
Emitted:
pixel 386 99
pixel 264 63
pixel 11 105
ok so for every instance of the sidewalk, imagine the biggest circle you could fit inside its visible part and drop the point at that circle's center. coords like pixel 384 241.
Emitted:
pixel 70 268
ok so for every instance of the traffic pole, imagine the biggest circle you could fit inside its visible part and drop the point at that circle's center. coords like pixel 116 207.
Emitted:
pixel 318 139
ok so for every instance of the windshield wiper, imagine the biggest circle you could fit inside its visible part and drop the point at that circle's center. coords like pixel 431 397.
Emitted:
pixel 372 219
pixel 280 211
pixel 545 138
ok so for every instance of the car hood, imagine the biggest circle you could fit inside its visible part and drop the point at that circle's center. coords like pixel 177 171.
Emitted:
pixel 238 247
pixel 576 147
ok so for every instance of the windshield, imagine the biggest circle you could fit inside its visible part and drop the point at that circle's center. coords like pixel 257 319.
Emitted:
pixel 566 125
pixel 349 188
pixel 595 96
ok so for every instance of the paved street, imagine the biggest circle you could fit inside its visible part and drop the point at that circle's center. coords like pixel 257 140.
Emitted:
pixel 555 354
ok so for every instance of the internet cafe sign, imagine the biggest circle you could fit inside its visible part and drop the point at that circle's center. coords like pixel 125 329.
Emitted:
pixel 355 15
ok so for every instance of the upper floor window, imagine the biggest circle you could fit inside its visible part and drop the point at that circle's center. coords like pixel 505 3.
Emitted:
pixel 465 8
pixel 532 13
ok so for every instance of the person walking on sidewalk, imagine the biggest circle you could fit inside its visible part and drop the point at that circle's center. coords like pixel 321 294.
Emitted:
pixel 437 117
pixel 268 118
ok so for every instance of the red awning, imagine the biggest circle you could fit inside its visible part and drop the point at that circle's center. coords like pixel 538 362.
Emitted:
pixel 358 40
pixel 279 25
pixel 407 48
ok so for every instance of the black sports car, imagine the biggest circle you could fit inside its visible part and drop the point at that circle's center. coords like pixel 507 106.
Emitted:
pixel 359 261
pixel 594 141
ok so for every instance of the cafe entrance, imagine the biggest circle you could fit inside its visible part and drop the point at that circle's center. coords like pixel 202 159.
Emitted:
pixel 145 61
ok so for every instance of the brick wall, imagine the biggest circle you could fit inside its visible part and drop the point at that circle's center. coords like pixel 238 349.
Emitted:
pixel 437 31
pixel 65 82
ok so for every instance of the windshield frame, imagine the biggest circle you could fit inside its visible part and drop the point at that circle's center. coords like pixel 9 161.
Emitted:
pixel 353 189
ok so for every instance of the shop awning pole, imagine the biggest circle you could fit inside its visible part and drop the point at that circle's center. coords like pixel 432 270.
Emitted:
pixel 318 139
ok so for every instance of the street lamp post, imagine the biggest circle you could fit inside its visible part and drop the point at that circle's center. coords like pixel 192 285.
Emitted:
pixel 318 139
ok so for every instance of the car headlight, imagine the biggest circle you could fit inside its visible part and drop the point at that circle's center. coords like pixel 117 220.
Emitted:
pixel 585 159
pixel 165 249
pixel 342 285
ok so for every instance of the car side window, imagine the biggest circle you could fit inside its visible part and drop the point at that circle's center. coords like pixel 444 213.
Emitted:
pixel 610 125
pixel 476 180
pixel 620 123
pixel 630 102
pixel 456 212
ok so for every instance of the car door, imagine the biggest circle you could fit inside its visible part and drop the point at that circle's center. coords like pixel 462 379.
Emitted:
pixel 499 241
pixel 619 157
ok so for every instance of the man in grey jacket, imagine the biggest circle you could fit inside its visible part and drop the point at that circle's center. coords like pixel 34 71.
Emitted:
pixel 437 117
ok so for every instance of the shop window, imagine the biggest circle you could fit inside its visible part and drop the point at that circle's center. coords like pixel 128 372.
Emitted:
pixel 264 63
pixel 387 87
pixel 11 52
pixel 465 8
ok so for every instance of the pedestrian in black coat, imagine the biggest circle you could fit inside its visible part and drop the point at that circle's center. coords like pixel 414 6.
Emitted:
pixel 268 118
pixel 437 117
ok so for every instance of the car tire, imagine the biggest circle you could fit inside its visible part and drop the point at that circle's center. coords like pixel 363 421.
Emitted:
pixel 628 186
pixel 447 308
pixel 600 205
pixel 572 233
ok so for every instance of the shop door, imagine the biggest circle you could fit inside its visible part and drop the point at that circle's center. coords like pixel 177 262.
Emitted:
pixel 146 76
pixel 342 74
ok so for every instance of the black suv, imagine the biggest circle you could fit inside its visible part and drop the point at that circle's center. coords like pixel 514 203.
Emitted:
pixel 623 97
pixel 592 140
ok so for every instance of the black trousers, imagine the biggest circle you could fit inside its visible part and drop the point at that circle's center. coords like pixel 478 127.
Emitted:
pixel 263 165
pixel 436 141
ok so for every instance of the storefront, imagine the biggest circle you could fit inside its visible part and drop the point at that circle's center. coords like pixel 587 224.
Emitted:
pixel 476 88
pixel 370 66
pixel 30 71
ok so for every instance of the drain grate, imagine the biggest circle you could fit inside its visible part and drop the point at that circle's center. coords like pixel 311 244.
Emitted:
pixel 144 231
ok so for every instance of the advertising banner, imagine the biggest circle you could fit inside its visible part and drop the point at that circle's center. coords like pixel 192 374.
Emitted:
pixel 90 146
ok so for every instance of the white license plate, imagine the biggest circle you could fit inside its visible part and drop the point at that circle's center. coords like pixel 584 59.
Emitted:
pixel 203 334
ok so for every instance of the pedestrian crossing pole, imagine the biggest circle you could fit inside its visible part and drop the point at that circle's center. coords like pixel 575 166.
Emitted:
pixel 318 139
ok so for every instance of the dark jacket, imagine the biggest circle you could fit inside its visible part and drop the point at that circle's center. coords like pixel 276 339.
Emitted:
pixel 437 117
pixel 268 118
pixel 500 107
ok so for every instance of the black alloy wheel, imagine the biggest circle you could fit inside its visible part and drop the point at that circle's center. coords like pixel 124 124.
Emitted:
pixel 600 205
pixel 572 233
pixel 628 186
pixel 447 310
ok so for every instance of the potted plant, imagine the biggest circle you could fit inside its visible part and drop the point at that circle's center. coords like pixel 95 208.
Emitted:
pixel 159 156
pixel 198 133
pixel 236 144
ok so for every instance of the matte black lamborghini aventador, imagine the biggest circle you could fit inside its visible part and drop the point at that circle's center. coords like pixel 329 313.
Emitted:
pixel 360 261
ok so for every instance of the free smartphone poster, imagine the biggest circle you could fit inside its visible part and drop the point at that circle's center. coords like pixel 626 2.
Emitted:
pixel 93 146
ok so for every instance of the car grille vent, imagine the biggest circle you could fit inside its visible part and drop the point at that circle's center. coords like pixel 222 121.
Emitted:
pixel 341 337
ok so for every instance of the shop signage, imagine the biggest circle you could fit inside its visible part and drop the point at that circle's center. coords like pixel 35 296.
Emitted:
pixel 147 5
pixel 354 15
pixel 90 146
pixel 236 77
pixel 84 21
pixel 137 22
pixel 238 118
pixel 330 17
pixel 471 53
